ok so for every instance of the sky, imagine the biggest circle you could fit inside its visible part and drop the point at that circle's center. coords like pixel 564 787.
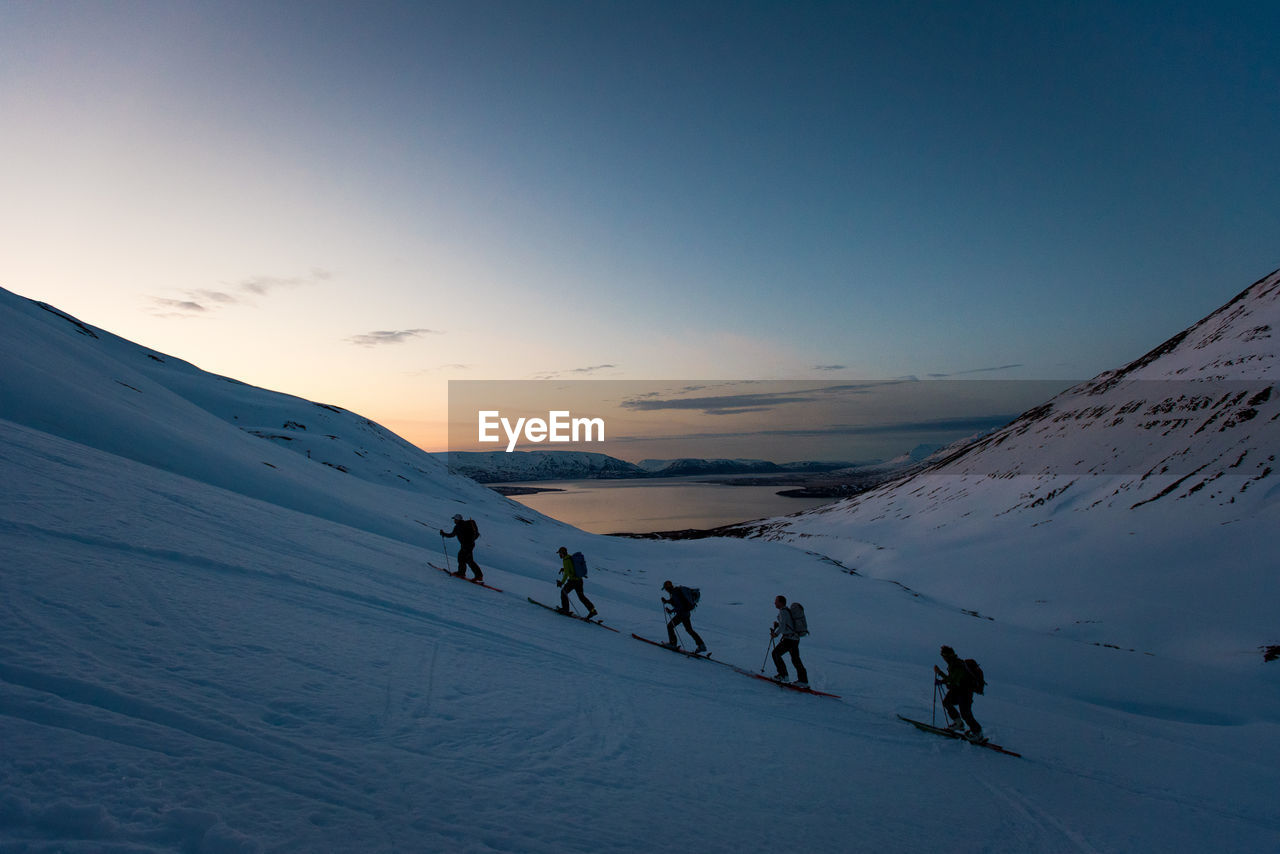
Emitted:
pixel 359 202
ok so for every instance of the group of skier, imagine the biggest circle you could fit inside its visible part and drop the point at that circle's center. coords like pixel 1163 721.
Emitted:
pixel 959 678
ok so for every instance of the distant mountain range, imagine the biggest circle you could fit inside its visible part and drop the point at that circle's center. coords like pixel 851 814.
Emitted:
pixel 527 466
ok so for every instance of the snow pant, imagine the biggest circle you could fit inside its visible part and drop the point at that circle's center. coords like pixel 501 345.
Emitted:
pixel 682 620
pixel 789 645
pixel 961 699
pixel 574 586
pixel 465 560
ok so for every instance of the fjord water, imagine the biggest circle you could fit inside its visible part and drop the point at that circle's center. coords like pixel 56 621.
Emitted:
pixel 663 504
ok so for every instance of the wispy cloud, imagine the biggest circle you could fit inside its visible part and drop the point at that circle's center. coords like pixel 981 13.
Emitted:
pixel 179 306
pixel 452 368
pixel 200 302
pixel 718 405
pixel 735 404
pixel 955 427
pixel 390 336
pixel 261 285
pixel 973 371
pixel 587 371
pixel 830 367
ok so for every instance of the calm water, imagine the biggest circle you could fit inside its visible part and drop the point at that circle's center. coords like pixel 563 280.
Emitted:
pixel 665 504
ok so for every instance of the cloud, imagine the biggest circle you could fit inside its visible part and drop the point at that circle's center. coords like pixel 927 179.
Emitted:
pixel 552 375
pixel 453 367
pixel 201 301
pixel 719 405
pixel 181 306
pixel 220 297
pixel 261 285
pixel 830 367
pixel 962 426
pixel 974 371
pixel 390 336
pixel 732 404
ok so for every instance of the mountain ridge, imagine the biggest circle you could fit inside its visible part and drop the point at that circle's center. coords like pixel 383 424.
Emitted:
pixel 1168 456
pixel 530 466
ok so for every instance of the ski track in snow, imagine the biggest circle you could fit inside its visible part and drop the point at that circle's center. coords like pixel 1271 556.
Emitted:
pixel 1046 831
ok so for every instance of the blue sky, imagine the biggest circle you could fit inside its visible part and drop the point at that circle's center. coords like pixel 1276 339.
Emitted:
pixel 356 202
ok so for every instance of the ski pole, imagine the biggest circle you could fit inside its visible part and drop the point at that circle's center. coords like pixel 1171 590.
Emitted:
pixel 938 692
pixel 766 653
pixel 666 619
pixel 445 548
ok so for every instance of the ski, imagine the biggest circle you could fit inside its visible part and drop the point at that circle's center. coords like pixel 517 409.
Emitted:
pixel 705 656
pixel 959 737
pixel 792 686
pixel 464 578
pixel 574 616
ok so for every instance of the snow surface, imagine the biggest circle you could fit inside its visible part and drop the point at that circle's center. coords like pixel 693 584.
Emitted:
pixel 215 641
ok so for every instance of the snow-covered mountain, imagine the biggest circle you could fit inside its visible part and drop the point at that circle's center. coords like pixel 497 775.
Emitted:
pixel 528 466
pixel 1138 508
pixel 520 466
pixel 72 380
pixel 691 465
pixel 687 466
pixel 221 634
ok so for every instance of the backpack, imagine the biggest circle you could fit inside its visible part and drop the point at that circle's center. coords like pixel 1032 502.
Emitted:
pixel 579 564
pixel 979 681
pixel 471 526
pixel 798 620
pixel 693 594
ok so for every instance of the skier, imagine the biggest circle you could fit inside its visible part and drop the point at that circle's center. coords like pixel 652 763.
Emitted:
pixel 682 601
pixel 958 702
pixel 569 582
pixel 785 627
pixel 467 533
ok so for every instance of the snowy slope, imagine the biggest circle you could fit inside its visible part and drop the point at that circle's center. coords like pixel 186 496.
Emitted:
pixel 70 379
pixel 195 658
pixel 1138 508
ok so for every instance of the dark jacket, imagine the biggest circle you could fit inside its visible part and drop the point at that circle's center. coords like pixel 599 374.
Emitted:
pixel 465 531
pixel 681 601
pixel 958 676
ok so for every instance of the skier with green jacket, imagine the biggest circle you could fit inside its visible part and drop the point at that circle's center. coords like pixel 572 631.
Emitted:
pixel 570 581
